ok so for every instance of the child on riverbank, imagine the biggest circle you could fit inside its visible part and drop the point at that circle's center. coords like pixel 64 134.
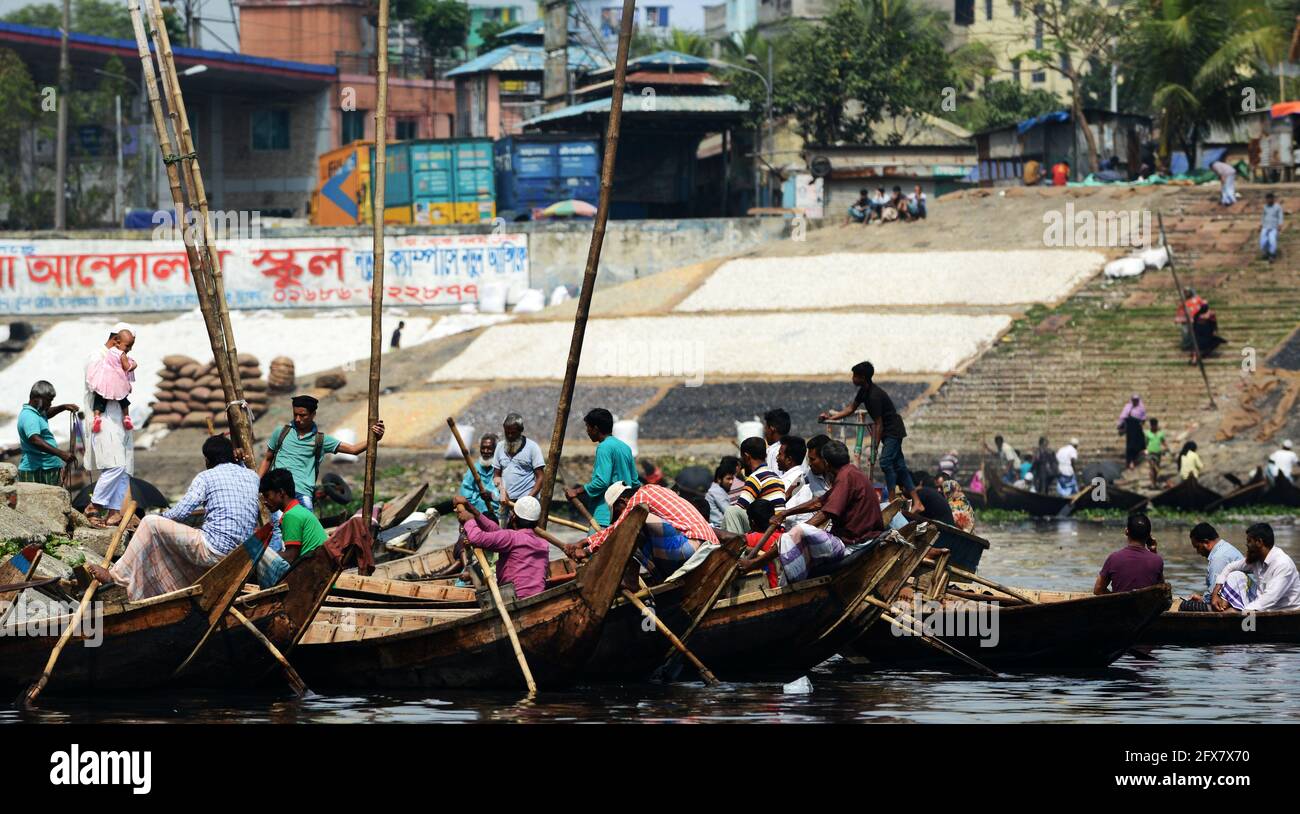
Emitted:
pixel 112 380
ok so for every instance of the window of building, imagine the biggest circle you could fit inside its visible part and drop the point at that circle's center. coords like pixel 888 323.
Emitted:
pixel 1015 71
pixel 406 129
pixel 1038 77
pixel 963 12
pixel 656 16
pixel 271 128
pixel 354 126
pixel 1038 33
pixel 1015 8
pixel 1065 61
pixel 988 9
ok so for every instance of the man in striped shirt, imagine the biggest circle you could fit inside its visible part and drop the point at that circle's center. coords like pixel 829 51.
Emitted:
pixel 673 528
pixel 761 483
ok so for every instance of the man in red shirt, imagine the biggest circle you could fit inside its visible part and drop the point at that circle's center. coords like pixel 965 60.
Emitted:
pixel 851 507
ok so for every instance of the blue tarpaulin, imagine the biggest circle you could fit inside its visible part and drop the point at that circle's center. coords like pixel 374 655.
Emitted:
pixel 1055 117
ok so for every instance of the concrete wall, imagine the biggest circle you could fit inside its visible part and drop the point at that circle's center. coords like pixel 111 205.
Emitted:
pixel 558 251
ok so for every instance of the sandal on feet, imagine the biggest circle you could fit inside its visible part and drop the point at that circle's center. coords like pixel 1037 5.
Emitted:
pixel 96 522
pixel 126 423
pixel 95 425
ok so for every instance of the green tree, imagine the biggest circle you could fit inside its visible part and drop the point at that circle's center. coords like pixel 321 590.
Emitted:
pixel 684 42
pixel 489 31
pixel 20 100
pixel 1200 62
pixel 1001 103
pixel 443 25
pixel 1076 34
pixel 98 17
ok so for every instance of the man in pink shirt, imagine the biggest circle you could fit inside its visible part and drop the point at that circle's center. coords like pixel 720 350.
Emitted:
pixel 521 554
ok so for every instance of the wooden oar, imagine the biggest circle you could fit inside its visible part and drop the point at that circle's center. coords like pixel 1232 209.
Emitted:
pixel 895 617
pixel 34 691
pixel 487 570
pixel 582 510
pixel 677 643
pixel 1009 591
pixel 291 675
pixel 724 584
pixel 568 523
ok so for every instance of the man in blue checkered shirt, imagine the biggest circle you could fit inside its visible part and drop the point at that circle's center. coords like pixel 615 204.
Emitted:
pixel 166 555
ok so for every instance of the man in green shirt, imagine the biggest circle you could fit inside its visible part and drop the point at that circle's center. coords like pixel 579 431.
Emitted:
pixel 42 460
pixel 301 531
pixel 299 447
pixel 614 463
pixel 1156 448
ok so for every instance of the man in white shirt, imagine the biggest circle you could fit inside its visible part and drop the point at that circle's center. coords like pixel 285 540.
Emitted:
pixel 1066 485
pixel 794 473
pixel 1283 461
pixel 776 425
pixel 1274 573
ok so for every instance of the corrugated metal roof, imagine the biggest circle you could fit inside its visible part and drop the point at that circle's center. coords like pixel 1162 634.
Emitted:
pixel 517 58
pixel 662 104
pixel 668 59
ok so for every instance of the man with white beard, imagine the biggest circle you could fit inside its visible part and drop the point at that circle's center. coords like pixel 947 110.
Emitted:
pixel 518 464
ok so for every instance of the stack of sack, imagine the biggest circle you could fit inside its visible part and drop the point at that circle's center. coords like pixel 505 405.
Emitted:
pixel 281 378
pixel 189 392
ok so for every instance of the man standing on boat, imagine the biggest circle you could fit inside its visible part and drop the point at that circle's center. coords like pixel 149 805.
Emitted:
pixel 888 431
pixel 851 507
pixel 522 554
pixel 1273 570
pixel 614 462
pixel 1220 554
pixel 167 555
pixel 112 449
pixel 518 466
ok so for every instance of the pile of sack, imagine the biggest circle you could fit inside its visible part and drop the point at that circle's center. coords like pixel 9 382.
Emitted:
pixel 1138 262
pixel 281 378
pixel 189 392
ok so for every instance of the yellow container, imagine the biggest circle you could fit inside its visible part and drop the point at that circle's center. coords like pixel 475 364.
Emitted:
pixel 475 212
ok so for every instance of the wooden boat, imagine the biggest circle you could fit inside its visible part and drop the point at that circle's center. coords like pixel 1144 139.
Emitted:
pixel 627 650
pixel 433 565
pixel 140 644
pixel 1282 493
pixel 1187 496
pixel 1244 494
pixel 1000 495
pixel 378 589
pixel 1175 627
pixel 1116 498
pixel 558 630
pixel 966 548
pixel 758 632
pixel 233 657
pixel 1064 631
pixel 15 571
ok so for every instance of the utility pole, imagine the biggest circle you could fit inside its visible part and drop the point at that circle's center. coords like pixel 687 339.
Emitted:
pixel 61 147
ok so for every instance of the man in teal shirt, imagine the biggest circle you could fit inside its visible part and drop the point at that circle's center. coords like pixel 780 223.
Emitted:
pixel 42 460
pixel 487 450
pixel 614 462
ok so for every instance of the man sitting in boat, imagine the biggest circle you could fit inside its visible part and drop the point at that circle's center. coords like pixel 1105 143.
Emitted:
pixel 1136 565
pixel 1220 554
pixel 673 529
pixel 522 553
pixel 166 555
pixel 851 507
pixel 1272 569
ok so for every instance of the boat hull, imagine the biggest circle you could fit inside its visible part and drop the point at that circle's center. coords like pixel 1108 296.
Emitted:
pixel 1175 627
pixel 1077 633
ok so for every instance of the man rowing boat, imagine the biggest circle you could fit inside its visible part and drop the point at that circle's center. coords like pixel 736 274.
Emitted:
pixel 522 553
pixel 673 529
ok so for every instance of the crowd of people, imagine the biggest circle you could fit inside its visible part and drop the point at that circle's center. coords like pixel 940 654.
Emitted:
pixel 1262 579
pixel 883 207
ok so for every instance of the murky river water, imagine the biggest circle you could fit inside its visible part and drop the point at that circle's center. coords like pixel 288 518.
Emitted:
pixel 1238 684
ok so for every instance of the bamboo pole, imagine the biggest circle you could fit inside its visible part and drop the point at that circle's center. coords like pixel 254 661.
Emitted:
pixel 212 319
pixel 1191 318
pixel 34 691
pixel 914 627
pixel 377 180
pixel 593 258
pixel 488 575
pixel 677 643
pixel 291 675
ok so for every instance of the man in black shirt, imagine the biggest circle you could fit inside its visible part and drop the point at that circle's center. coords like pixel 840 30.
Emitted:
pixel 397 336
pixel 934 505
pixel 888 431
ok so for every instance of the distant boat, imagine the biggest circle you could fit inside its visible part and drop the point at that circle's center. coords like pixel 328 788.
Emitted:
pixel 999 495
pixel 1116 498
pixel 1188 496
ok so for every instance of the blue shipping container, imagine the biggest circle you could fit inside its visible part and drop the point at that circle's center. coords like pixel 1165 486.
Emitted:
pixel 537 171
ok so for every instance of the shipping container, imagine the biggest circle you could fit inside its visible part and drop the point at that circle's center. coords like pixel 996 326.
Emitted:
pixel 427 181
pixel 535 171
pixel 440 181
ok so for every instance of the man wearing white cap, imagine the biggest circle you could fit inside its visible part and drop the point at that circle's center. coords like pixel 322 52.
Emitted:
pixel 673 529
pixel 1283 461
pixel 111 451
pixel 1066 484
pixel 522 553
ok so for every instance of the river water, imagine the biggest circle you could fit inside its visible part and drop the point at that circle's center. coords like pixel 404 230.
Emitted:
pixel 1239 684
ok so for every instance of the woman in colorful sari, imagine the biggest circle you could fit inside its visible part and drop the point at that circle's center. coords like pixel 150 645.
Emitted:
pixel 963 515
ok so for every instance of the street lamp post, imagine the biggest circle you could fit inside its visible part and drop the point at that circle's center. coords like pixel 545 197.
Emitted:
pixel 767 86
